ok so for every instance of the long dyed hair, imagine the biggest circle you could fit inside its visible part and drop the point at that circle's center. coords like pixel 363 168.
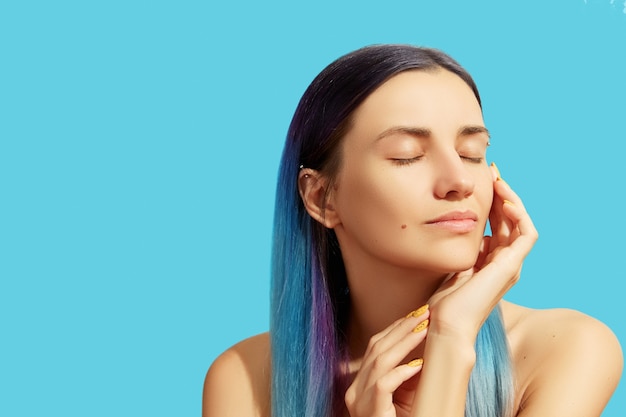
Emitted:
pixel 309 291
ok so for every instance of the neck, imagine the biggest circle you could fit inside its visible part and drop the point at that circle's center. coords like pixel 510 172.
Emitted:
pixel 380 294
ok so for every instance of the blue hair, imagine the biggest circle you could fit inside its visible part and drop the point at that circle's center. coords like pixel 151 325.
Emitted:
pixel 309 291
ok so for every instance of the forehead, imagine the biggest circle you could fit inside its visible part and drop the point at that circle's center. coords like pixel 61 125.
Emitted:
pixel 438 100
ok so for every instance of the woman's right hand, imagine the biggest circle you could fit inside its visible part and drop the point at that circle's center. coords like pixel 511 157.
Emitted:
pixel 384 386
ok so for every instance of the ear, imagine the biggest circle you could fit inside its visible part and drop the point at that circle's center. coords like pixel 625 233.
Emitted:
pixel 317 201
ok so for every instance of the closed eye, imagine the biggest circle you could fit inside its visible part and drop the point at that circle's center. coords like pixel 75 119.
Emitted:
pixel 474 160
pixel 405 161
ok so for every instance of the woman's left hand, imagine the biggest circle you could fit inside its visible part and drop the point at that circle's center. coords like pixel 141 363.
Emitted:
pixel 463 302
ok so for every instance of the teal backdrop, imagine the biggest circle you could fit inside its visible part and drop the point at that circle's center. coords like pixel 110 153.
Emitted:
pixel 139 145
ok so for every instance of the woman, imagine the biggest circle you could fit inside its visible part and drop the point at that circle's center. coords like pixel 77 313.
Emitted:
pixel 383 196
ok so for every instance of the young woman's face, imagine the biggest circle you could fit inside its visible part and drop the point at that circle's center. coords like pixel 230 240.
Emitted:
pixel 414 188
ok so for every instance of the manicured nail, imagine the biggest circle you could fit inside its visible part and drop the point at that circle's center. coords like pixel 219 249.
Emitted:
pixel 498 176
pixel 508 202
pixel 421 326
pixel 418 312
pixel 416 362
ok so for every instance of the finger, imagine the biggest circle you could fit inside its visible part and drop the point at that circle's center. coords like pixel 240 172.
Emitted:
pixel 501 226
pixel 505 192
pixel 503 269
pixel 399 326
pixel 524 225
pixel 390 382
pixel 383 333
pixel 495 214
pixel 522 239
pixel 514 209
pixel 378 399
pixel 483 252
pixel 382 341
pixel 390 351
pixel 406 335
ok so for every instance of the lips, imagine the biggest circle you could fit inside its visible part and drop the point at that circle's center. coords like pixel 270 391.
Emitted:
pixel 455 215
pixel 456 221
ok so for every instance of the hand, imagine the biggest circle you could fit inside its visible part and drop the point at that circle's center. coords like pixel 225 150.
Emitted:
pixel 463 302
pixel 383 387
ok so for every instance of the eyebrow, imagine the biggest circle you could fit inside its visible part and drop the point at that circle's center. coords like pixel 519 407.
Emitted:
pixel 422 132
pixel 473 129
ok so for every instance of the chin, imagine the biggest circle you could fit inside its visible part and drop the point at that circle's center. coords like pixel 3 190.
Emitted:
pixel 460 267
pixel 452 262
pixel 438 265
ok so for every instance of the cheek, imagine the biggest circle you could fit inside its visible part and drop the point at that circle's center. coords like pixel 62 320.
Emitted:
pixel 484 194
pixel 368 202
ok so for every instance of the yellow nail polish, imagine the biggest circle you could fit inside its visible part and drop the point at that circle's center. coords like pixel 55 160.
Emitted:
pixel 418 312
pixel 508 202
pixel 498 176
pixel 423 325
pixel 416 362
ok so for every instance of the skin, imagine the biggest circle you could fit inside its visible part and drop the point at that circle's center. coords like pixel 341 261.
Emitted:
pixel 415 152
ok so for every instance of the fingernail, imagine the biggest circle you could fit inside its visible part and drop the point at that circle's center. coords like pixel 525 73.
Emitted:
pixel 416 362
pixel 421 326
pixel 418 312
pixel 498 176
pixel 508 202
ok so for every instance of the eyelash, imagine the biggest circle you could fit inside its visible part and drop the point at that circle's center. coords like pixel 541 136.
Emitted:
pixel 409 161
pixel 402 162
pixel 472 160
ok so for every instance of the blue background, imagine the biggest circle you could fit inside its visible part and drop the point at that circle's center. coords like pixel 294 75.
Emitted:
pixel 139 145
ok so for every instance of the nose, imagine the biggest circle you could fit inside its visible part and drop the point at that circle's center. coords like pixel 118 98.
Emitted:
pixel 453 179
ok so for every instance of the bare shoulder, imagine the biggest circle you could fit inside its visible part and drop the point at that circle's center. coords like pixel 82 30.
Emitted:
pixel 238 381
pixel 566 362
